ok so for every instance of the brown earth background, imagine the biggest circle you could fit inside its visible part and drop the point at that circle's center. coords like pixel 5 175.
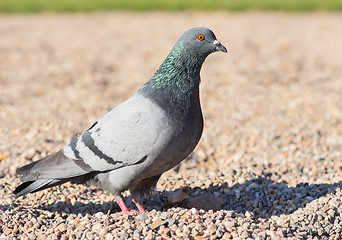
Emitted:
pixel 269 163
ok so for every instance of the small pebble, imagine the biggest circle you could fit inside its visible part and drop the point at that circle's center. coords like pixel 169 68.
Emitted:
pixel 171 221
pixel 8 231
pixel 141 217
pixel 62 227
pixel 241 180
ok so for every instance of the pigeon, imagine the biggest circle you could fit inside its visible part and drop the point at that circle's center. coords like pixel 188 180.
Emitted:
pixel 131 146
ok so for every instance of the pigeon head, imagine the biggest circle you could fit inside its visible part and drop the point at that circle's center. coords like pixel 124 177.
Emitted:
pixel 188 54
pixel 200 41
pixel 191 50
pixel 177 79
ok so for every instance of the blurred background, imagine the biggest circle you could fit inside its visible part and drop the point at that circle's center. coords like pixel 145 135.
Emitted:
pixel 11 6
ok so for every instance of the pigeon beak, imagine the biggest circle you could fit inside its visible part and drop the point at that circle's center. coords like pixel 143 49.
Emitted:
pixel 219 46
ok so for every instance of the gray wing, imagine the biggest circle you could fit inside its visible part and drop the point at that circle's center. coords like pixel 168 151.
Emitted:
pixel 127 135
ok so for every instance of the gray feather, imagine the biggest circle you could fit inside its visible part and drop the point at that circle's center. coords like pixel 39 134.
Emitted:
pixel 34 186
pixel 56 166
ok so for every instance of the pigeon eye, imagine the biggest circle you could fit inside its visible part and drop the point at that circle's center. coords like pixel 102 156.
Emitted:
pixel 200 37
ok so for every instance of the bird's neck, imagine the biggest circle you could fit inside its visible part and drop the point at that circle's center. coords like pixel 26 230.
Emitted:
pixel 175 85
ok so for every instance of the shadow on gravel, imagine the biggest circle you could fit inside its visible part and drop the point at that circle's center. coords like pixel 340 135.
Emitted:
pixel 80 208
pixel 262 197
pixel 265 198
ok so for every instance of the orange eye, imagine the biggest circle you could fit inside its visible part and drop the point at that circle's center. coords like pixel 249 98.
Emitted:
pixel 200 37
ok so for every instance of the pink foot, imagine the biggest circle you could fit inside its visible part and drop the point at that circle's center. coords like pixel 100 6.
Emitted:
pixel 124 208
pixel 139 205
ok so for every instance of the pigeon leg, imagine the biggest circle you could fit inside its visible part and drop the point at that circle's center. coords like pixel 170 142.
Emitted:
pixel 139 205
pixel 122 205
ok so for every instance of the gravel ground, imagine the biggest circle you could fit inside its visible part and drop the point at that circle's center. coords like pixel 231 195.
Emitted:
pixel 267 167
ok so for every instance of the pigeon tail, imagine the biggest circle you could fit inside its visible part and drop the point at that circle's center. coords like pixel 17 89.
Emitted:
pixel 51 171
pixel 27 168
pixel 35 186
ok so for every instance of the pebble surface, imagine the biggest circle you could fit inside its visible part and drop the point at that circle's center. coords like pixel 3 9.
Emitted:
pixel 268 166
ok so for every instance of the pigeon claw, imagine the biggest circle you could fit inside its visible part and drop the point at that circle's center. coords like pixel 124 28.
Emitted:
pixel 125 209
pixel 122 205
pixel 139 205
